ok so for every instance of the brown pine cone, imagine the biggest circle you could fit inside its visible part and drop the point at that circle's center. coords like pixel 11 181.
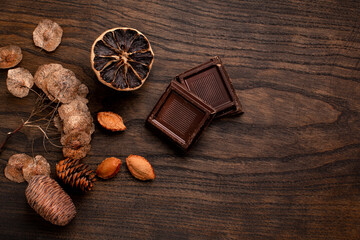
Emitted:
pixel 76 174
pixel 49 200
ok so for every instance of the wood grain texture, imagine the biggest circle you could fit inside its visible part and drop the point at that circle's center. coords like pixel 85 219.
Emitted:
pixel 288 168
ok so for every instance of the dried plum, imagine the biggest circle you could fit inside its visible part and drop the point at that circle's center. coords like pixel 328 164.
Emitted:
pixel 122 58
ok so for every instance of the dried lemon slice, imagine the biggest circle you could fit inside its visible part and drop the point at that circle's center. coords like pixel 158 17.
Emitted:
pixel 122 58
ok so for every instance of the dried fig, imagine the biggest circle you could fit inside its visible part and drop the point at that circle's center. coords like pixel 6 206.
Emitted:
pixel 108 168
pixel 39 167
pixel 122 58
pixel 10 56
pixel 47 35
pixel 111 121
pixel 19 81
pixel 16 163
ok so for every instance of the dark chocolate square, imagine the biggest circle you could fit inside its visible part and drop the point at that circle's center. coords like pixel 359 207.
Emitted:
pixel 210 82
pixel 181 115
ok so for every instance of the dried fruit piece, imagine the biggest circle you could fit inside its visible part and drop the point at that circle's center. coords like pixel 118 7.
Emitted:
pixel 43 74
pixel 83 91
pixel 57 82
pixel 80 122
pixel 63 85
pixel 13 174
pixel 10 56
pixel 140 167
pixel 76 153
pixel 16 163
pixel 47 35
pixel 75 139
pixel 49 200
pixel 122 58
pixel 39 167
pixel 111 121
pixel 20 160
pixel 77 126
pixel 75 107
pixel 76 174
pixel 108 168
pixel 19 81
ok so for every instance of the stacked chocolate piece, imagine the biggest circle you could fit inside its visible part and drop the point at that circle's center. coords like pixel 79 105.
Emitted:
pixel 192 100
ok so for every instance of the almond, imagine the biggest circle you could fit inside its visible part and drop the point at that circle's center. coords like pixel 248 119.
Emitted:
pixel 111 121
pixel 140 167
pixel 108 168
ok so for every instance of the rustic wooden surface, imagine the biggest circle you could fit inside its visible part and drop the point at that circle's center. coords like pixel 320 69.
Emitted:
pixel 287 169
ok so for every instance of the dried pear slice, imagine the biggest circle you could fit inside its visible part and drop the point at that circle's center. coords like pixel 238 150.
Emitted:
pixel 10 56
pixel 43 74
pixel 47 35
pixel 122 58
pixel 77 153
pixel 19 81
pixel 14 169
pixel 40 166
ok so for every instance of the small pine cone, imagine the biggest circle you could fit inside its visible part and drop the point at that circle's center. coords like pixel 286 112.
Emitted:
pixel 49 200
pixel 76 174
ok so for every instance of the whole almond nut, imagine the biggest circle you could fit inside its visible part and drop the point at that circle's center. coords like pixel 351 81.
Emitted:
pixel 111 121
pixel 140 167
pixel 108 168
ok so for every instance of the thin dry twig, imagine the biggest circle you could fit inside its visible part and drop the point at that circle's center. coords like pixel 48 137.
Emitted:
pixel 41 115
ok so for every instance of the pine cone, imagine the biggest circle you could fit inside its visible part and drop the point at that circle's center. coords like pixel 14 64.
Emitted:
pixel 49 200
pixel 76 174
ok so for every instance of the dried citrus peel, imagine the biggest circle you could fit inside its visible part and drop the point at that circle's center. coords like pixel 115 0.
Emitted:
pixel 122 58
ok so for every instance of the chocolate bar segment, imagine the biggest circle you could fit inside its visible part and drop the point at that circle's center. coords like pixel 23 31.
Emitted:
pixel 180 115
pixel 211 83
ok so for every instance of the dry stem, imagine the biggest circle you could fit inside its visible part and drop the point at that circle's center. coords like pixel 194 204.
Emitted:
pixel 38 113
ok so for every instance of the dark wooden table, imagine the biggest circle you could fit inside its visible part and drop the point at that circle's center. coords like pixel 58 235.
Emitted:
pixel 288 168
